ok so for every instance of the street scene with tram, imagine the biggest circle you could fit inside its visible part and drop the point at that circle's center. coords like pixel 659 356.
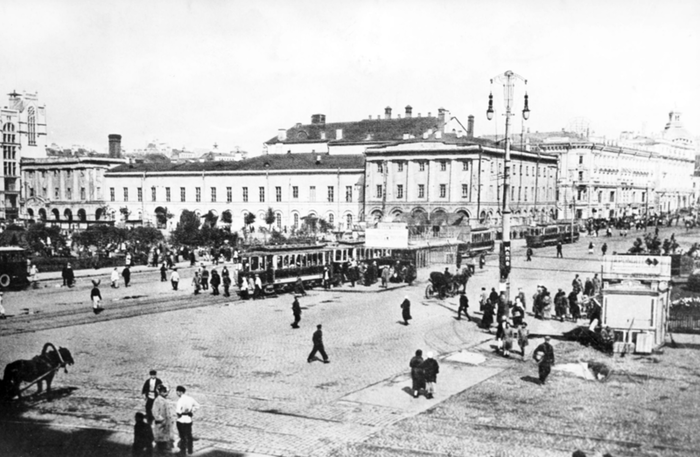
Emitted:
pixel 507 266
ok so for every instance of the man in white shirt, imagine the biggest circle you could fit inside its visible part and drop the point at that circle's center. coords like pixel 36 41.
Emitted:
pixel 185 408
pixel 174 278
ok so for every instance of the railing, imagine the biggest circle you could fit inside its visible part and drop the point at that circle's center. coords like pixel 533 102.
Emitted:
pixel 685 324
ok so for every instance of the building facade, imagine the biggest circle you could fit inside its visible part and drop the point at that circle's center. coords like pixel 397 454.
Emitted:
pixel 633 176
pixel 23 124
pixel 433 179
pixel 294 185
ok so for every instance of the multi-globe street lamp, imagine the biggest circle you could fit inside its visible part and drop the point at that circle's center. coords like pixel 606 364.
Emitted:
pixel 508 79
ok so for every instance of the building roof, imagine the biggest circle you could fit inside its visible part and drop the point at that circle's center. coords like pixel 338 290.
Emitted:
pixel 366 130
pixel 275 162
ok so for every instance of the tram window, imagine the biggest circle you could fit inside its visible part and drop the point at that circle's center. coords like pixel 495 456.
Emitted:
pixel 254 263
pixel 279 262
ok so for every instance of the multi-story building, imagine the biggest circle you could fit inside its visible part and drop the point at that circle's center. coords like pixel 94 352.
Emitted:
pixel 636 175
pixel 293 185
pixel 354 137
pixel 23 124
pixel 431 179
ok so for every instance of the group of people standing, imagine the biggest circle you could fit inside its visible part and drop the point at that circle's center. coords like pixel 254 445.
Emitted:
pixel 156 425
pixel 203 278
pixel 424 373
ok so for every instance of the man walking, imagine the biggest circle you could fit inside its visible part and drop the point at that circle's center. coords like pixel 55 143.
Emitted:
pixel 215 281
pixel 174 278
pixel 126 273
pixel 296 311
pixel 463 307
pixel 544 356
pixel 150 392
pixel 604 248
pixel 529 254
pixel 204 276
pixel 406 310
pixel 318 346
pixel 430 369
pixel 185 408
pixel 114 278
pixel 559 254
pixel 68 276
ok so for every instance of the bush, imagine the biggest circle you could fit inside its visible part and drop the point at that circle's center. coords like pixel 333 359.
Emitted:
pixel 46 264
pixel 694 281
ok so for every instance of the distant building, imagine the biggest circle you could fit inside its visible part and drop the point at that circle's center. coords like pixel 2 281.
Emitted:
pixel 294 186
pixel 23 135
pixel 354 137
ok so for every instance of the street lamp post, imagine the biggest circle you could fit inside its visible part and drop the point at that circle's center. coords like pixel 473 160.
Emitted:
pixel 508 79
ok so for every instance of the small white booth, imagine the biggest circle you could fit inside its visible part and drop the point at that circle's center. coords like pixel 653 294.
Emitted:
pixel 636 298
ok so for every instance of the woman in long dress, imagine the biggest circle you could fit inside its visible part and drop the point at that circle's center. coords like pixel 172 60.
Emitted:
pixel 163 420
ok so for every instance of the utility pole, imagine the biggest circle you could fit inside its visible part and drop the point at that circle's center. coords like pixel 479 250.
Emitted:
pixel 508 78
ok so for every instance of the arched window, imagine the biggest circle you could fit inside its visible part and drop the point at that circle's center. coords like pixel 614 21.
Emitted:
pixel 331 219
pixel 348 219
pixel 278 220
pixel 31 126
pixel 296 220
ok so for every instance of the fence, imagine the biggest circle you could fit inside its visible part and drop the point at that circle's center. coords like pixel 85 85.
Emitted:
pixel 684 324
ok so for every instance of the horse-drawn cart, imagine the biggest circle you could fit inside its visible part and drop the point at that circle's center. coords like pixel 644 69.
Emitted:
pixel 41 368
pixel 442 285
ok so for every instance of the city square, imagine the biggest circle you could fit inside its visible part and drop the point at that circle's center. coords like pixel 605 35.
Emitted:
pixel 247 367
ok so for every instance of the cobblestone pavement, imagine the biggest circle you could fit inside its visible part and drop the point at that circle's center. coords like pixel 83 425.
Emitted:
pixel 247 367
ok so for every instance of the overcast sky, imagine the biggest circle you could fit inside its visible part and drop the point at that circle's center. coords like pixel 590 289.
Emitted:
pixel 195 73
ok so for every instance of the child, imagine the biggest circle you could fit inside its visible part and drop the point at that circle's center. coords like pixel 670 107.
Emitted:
pixel 143 436
pixel 96 297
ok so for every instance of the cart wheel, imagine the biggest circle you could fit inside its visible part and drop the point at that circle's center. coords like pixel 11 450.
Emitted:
pixel 4 280
pixel 429 291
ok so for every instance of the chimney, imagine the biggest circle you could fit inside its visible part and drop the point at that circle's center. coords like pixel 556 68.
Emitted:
pixel 387 112
pixel 338 134
pixel 115 146
pixel 441 115
pixel 282 135
pixel 409 111
pixel 470 126
pixel 318 119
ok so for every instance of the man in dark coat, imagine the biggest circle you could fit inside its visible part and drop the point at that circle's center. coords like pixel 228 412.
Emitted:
pixel 215 280
pixel 406 310
pixel 529 254
pixel 204 275
pixel 318 346
pixel 296 311
pixel 604 248
pixel 163 273
pixel 226 280
pixel 544 356
pixel 410 274
pixel 417 379
pixel 430 369
pixel 559 253
pixel 150 392
pixel 574 308
pixel 463 307
pixel 126 273
pixel 68 276
pixel 143 437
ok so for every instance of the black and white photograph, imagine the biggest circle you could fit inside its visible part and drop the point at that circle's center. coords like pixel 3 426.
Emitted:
pixel 253 228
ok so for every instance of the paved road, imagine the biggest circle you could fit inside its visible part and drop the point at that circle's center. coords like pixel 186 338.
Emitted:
pixel 248 368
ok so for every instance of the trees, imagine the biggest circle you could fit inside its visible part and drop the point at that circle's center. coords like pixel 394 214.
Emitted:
pixel 270 218
pixel 210 219
pixel 186 232
pixel 101 236
pixel 248 220
pixel 325 226
pixel 144 238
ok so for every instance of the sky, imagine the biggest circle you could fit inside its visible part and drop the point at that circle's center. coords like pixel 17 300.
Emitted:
pixel 196 73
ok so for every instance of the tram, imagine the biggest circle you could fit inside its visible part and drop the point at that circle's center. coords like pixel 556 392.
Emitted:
pixel 13 267
pixel 550 234
pixel 481 240
pixel 279 267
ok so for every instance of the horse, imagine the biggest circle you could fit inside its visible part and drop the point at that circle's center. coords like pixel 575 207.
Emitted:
pixel 41 368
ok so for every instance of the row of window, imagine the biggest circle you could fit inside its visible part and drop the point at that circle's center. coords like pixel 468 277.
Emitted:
pixel 536 170
pixel 245 196
pixel 57 193
pixel 465 191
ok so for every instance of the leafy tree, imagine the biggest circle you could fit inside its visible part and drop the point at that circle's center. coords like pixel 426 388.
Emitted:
pixel 226 217
pixel 39 237
pixel 144 238
pixel 186 232
pixel 310 223
pixel 210 219
pixel 270 218
pixel 324 226
pixel 249 220
pixel 101 236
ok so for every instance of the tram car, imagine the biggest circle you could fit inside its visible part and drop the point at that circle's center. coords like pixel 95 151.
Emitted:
pixel 550 234
pixel 279 267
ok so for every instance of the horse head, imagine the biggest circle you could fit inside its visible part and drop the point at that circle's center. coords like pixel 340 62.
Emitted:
pixel 66 357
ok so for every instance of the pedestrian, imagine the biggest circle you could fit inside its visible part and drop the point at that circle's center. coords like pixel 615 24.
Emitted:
pixel 529 254
pixel 143 437
pixel 406 310
pixel 430 368
pixel 597 284
pixel 487 318
pixel 386 274
pixel 204 276
pixel 483 299
pixel 317 339
pixel 590 247
pixel 523 335
pixel 150 392
pixel 196 283
pixel 251 287
pixel 96 297
pixel 126 273
pixel 518 312
pixel 226 280
pixel 114 279
pixel 33 272
pixel 560 304
pixel 463 307
pixel 502 339
pixel 296 312
pixel 523 300
pixel 215 281
pixel 410 274
pixel 68 276
pixel 245 294
pixel 326 279
pixel 192 258
pixel 299 287
pixel 259 288
pixel 2 308
pixel 482 261
pixel 184 409
pixel 604 248
pixel 162 420
pixel 352 272
pixel 417 380
pixel 544 356
pixel 559 253
pixel 594 315
pixel 574 306
pixel 163 273
pixel 588 287
pixel 174 278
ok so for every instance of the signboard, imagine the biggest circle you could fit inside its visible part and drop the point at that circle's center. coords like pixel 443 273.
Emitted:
pixel 637 267
pixel 630 312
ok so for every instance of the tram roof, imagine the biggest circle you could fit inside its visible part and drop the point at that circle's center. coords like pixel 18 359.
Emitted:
pixel 11 249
